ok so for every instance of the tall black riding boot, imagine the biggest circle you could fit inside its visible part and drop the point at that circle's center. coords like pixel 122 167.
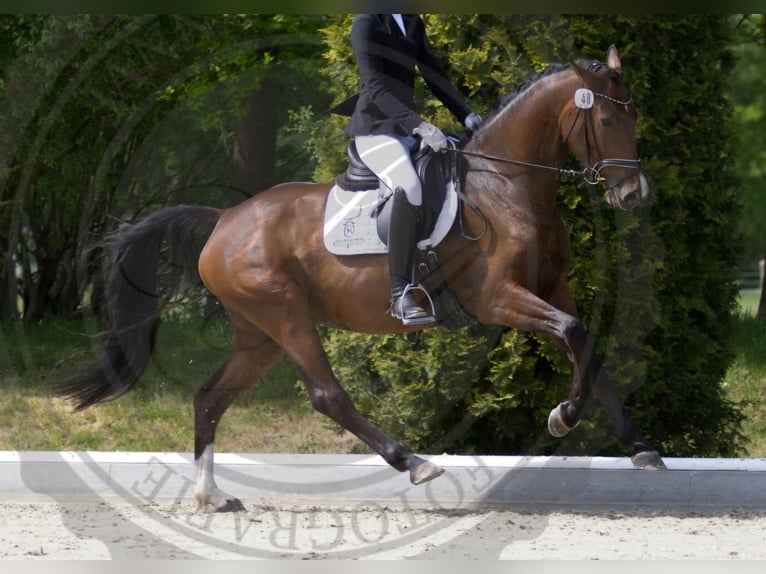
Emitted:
pixel 402 240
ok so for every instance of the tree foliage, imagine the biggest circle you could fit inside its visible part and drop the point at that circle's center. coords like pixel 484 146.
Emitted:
pixel 107 117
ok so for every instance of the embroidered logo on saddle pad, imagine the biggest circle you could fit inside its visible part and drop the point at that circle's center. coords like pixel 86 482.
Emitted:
pixel 351 226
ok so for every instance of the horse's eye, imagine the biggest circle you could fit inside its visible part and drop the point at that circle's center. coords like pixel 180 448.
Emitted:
pixel 606 122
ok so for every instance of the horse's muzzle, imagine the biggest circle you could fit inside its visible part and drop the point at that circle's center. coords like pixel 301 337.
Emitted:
pixel 627 191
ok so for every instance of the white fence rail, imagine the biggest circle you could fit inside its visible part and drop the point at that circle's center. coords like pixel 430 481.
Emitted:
pixel 751 277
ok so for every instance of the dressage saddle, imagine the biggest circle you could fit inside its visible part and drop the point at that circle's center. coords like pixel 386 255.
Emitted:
pixel 434 171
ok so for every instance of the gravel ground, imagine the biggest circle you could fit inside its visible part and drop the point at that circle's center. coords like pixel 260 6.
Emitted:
pixel 120 530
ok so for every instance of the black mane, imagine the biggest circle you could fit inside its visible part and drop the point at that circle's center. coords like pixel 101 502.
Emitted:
pixel 549 71
pixel 508 98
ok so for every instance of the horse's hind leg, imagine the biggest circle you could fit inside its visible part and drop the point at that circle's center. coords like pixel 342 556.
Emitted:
pixel 254 354
pixel 329 398
pixel 298 336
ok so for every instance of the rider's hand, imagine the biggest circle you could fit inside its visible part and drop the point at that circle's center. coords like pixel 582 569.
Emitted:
pixel 473 121
pixel 431 136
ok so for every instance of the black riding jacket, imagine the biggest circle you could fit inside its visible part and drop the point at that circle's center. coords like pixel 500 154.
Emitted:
pixel 387 61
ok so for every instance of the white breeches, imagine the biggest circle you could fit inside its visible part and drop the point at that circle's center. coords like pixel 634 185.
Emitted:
pixel 390 160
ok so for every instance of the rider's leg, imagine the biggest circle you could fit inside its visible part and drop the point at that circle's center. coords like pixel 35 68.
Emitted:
pixel 391 162
pixel 402 237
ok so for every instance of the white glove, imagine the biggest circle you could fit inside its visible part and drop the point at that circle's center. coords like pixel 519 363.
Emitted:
pixel 473 121
pixel 431 136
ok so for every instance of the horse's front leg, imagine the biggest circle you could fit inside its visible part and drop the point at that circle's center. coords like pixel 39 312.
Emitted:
pixel 589 373
pixel 524 310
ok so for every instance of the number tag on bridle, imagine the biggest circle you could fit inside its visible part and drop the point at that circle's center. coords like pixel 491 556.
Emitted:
pixel 583 98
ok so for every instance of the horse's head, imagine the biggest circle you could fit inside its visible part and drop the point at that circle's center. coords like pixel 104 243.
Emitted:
pixel 599 123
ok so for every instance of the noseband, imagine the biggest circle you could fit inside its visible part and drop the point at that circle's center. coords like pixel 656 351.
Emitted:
pixel 592 175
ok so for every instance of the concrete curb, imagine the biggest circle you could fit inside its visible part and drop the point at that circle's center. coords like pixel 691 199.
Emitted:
pixel 470 481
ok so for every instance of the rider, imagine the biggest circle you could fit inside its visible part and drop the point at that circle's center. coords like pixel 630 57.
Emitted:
pixel 387 47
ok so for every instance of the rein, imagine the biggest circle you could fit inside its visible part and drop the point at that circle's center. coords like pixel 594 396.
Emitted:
pixel 560 171
pixel 590 175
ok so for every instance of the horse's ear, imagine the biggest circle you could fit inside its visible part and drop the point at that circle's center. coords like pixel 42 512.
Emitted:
pixel 613 59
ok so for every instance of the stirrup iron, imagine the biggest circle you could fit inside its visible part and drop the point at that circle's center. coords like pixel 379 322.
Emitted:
pixel 419 320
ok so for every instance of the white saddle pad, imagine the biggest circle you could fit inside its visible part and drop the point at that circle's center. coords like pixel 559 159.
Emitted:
pixel 349 228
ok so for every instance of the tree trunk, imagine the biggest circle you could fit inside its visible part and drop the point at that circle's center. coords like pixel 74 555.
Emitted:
pixel 255 142
pixel 10 288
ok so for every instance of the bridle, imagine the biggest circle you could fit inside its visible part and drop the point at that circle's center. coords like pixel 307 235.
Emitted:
pixel 593 175
pixel 590 175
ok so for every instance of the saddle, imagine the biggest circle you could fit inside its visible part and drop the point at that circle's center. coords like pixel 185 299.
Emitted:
pixel 435 172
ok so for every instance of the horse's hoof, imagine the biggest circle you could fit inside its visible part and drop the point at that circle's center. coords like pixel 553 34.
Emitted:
pixel 226 505
pixel 556 425
pixel 648 460
pixel 231 505
pixel 424 472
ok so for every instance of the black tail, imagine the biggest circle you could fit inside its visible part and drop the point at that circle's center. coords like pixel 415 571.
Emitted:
pixel 133 301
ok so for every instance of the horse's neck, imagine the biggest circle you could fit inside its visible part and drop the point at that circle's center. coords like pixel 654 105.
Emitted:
pixel 527 129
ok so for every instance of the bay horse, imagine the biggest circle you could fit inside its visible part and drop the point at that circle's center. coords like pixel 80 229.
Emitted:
pixel 265 261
